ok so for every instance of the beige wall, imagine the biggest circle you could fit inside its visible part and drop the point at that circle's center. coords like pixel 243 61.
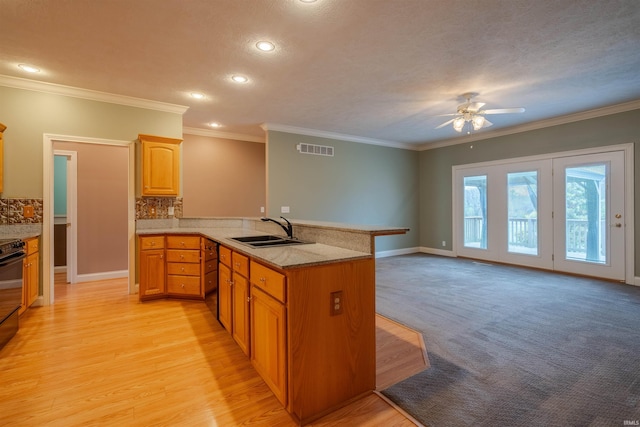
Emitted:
pixel 29 115
pixel 102 206
pixel 222 177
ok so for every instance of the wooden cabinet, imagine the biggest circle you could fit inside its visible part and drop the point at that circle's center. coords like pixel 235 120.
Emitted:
pixel 233 296
pixel 31 273
pixel 268 326
pixel 152 267
pixel 2 129
pixel 240 301
pixel 225 295
pixel 183 266
pixel 209 266
pixel 160 165
pixel 178 266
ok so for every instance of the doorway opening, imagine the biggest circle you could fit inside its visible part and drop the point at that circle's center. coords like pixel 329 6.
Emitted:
pixel 48 249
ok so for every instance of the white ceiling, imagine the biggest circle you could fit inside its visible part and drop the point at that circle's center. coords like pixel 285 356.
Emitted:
pixel 377 69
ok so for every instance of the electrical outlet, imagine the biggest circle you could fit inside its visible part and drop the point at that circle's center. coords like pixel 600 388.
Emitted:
pixel 261 209
pixel 444 243
pixel 284 209
pixel 27 211
pixel 170 210
pixel 337 303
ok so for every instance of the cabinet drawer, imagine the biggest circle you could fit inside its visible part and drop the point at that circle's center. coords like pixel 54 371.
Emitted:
pixel 33 246
pixel 183 268
pixel 225 256
pixel 177 255
pixel 210 281
pixel 209 248
pixel 269 281
pixel 240 264
pixel 210 254
pixel 210 266
pixel 183 242
pixel 151 242
pixel 183 285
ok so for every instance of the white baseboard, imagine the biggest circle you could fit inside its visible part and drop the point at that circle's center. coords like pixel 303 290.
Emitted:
pixel 103 276
pixel 636 281
pixel 433 251
pixel 60 269
pixel 394 252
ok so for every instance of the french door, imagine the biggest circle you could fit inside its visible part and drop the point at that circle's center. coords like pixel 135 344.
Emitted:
pixel 589 215
pixel 563 213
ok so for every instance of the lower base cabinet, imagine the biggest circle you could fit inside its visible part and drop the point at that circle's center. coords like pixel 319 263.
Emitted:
pixel 268 341
pixel 312 356
pixel 178 266
pixel 30 274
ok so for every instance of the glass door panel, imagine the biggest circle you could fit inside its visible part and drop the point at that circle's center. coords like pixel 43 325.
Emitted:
pixel 586 213
pixel 475 212
pixel 522 212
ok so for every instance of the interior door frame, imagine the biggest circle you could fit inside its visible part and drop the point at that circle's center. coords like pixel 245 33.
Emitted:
pixel 629 211
pixel 72 213
pixel 46 250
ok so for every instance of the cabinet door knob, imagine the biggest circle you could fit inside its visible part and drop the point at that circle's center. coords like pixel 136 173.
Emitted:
pixel 248 299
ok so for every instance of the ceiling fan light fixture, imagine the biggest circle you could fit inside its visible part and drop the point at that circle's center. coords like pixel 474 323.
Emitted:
pixel 477 122
pixel 458 123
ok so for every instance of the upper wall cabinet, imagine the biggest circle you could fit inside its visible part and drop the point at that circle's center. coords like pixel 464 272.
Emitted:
pixel 2 128
pixel 160 165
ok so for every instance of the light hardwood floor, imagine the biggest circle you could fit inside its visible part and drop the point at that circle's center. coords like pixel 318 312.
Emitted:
pixel 99 357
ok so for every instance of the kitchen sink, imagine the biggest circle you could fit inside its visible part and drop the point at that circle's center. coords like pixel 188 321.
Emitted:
pixel 250 239
pixel 268 241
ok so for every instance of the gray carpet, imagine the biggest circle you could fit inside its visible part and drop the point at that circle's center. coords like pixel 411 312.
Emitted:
pixel 510 346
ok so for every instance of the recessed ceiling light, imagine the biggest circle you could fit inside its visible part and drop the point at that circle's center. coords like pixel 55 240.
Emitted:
pixel 215 125
pixel 308 1
pixel 239 79
pixel 29 68
pixel 265 46
pixel 197 95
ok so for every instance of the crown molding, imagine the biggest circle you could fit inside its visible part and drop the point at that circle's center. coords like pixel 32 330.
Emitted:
pixel 92 95
pixel 555 121
pixel 224 135
pixel 333 135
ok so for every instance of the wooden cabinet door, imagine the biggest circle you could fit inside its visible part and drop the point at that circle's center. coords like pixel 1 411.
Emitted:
pixel 268 341
pixel 160 166
pixel 241 321
pixel 225 307
pixel 152 274
pixel 32 275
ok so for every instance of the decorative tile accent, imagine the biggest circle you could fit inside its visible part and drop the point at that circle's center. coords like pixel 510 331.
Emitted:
pixel 158 207
pixel 12 211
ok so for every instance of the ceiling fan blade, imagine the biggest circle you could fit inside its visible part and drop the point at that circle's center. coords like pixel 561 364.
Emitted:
pixel 503 111
pixel 487 123
pixel 447 115
pixel 445 123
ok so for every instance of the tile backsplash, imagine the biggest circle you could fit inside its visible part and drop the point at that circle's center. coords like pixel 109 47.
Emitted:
pixel 158 207
pixel 12 211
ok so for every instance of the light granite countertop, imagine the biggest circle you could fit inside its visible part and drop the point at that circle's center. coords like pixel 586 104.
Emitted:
pixel 283 257
pixel 20 231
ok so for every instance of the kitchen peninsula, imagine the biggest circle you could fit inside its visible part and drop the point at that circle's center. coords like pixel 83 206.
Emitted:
pixel 304 314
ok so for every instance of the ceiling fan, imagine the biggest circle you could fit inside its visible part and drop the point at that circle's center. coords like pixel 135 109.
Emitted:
pixel 471 112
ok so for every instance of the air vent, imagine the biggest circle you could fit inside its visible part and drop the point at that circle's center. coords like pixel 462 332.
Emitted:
pixel 318 150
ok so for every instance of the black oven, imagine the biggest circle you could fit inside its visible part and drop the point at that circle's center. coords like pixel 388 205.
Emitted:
pixel 11 267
